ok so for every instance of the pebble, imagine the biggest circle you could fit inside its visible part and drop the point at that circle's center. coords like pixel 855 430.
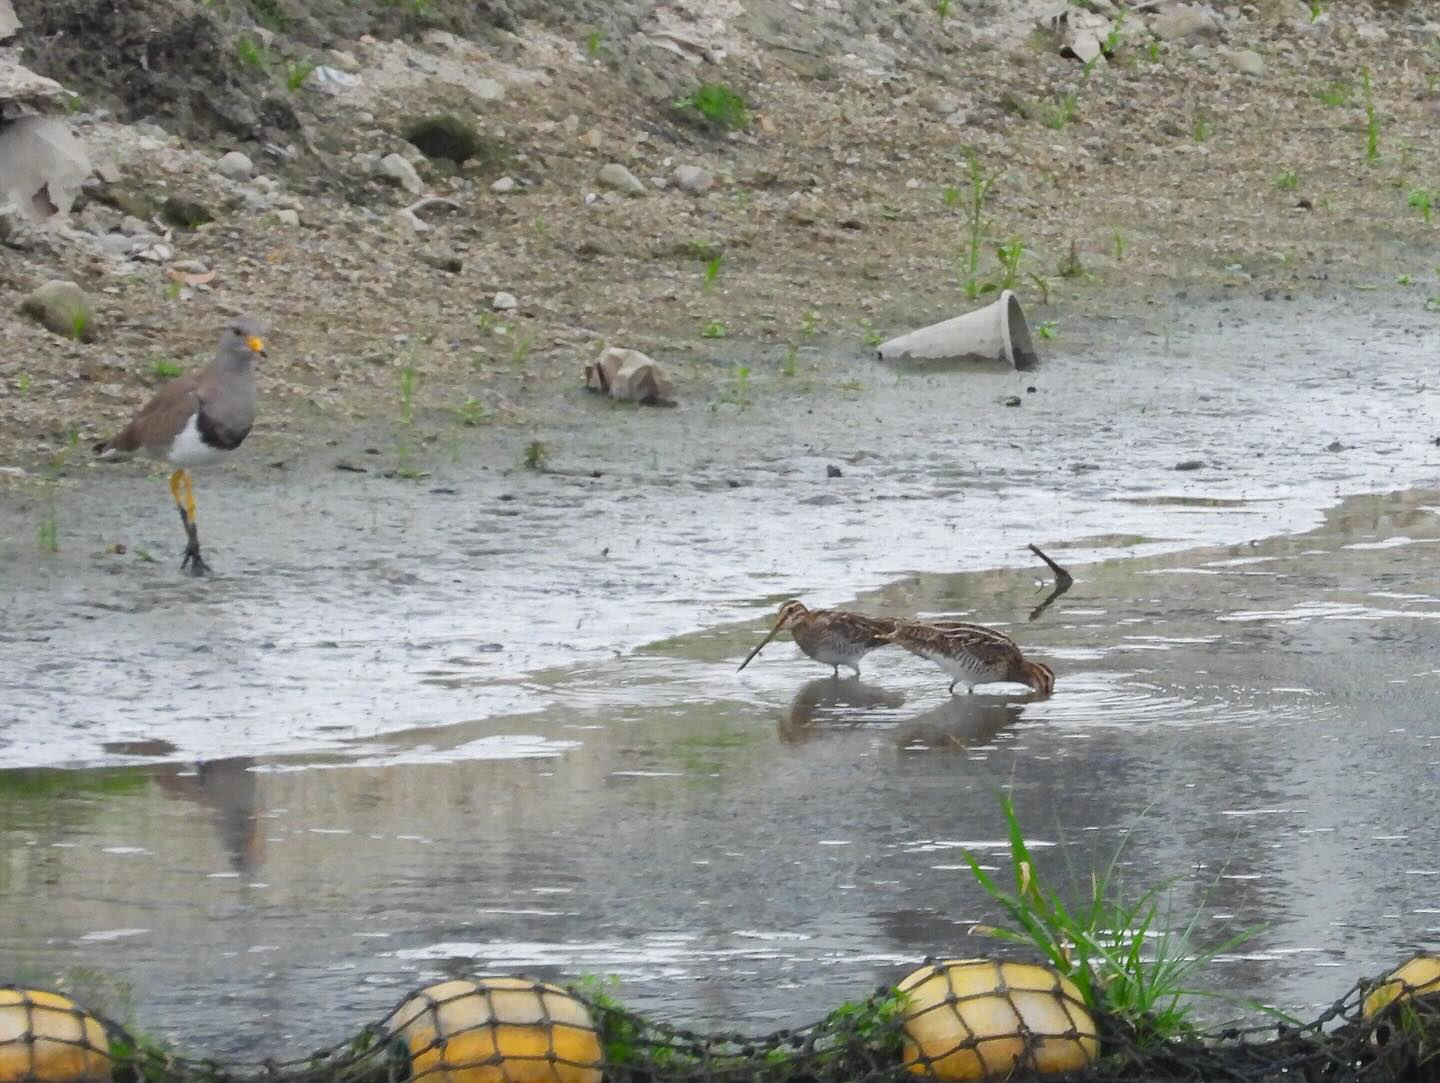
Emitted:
pixel 693 179
pixel 288 217
pixel 402 173
pixel 1178 23
pixel 1247 62
pixel 616 176
pixel 504 302
pixel 236 166
pixel 63 308
pixel 504 186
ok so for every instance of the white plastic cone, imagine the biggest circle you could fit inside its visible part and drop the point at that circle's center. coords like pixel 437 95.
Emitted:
pixel 997 332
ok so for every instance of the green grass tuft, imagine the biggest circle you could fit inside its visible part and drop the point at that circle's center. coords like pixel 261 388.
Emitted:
pixel 1125 957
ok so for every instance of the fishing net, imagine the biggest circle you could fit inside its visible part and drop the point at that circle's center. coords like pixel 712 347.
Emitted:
pixel 513 1030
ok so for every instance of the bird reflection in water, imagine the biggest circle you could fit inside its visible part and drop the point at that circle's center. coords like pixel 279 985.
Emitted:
pixel 228 789
pixel 834 701
pixel 962 722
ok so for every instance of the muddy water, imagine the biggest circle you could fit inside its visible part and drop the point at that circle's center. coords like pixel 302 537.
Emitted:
pixel 490 720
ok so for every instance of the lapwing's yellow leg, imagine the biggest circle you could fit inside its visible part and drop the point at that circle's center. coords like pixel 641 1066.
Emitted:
pixel 182 488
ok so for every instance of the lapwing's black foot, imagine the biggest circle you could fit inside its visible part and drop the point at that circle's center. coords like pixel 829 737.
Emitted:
pixel 194 563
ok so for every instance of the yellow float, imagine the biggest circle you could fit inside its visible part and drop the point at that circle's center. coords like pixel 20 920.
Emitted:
pixel 979 1019
pixel 1419 976
pixel 498 1030
pixel 48 1038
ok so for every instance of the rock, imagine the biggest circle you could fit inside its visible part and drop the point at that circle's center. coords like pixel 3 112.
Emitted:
pixel 185 213
pixel 9 24
pixel 504 186
pixel 444 135
pixel 21 90
pixel 346 62
pixel 62 307
pixel 941 102
pixel 833 471
pixel 504 302
pixel 693 179
pixel 448 262
pixel 616 176
pixel 42 166
pixel 288 217
pixel 133 227
pixel 1191 464
pixel 488 90
pixel 1181 22
pixel 629 376
pixel 397 169
pixel 235 166
pixel 1013 400
pixel 1247 62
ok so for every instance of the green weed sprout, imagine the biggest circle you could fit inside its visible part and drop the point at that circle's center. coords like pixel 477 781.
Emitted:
pixel 1123 956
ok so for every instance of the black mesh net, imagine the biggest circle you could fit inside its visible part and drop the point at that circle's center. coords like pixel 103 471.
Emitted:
pixel 970 1020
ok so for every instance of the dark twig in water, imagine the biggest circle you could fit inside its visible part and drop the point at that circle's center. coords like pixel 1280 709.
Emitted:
pixel 1063 582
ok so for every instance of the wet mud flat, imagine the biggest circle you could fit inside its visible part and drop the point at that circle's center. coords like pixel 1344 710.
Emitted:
pixel 490 720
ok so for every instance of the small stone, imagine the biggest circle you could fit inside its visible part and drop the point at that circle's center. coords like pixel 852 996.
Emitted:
pixel 693 179
pixel 133 227
pixel 1334 445
pixel 448 262
pixel 832 471
pixel 504 186
pixel 401 172
pixel 1180 22
pixel 1191 464
pixel 504 302
pixel 1013 400
pixel 616 176
pixel 488 90
pixel 235 166
pixel 1247 62
pixel 940 102
pixel 190 266
pixel 288 217
pixel 346 62
pixel 62 307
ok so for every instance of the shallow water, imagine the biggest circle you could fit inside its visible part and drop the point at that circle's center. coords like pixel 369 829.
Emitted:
pixel 411 733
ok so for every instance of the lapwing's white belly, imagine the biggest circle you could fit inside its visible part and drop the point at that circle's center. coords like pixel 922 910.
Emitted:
pixel 189 450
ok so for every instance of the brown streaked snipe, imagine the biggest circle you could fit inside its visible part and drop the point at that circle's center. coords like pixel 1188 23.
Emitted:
pixel 971 653
pixel 833 637
pixel 196 420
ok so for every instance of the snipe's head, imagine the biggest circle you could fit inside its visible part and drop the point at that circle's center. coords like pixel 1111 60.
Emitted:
pixel 1038 676
pixel 789 613
pixel 242 340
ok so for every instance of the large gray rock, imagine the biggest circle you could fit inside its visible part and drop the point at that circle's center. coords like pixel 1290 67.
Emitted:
pixel 235 166
pixel 62 307
pixel 397 169
pixel 22 91
pixel 616 176
pixel 1182 22
pixel 42 166
pixel 1247 62
pixel 691 178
